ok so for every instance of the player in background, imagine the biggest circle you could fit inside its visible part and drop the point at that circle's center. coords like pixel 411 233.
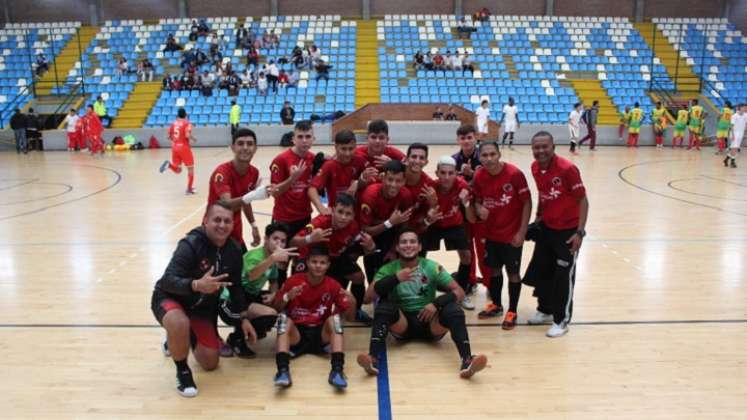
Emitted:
pixel 659 119
pixel 180 135
pixel 636 118
pixel 574 125
pixel 680 125
pixel 697 119
pixel 723 127
pixel 738 123
pixel 511 118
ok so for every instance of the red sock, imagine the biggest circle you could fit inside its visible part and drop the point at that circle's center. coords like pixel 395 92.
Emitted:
pixel 175 169
pixel 697 143
pixel 190 181
pixel 659 140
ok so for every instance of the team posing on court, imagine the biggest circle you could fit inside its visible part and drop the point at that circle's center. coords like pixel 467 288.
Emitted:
pixel 383 207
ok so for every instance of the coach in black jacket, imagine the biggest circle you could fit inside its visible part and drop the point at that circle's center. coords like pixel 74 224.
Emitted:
pixel 185 299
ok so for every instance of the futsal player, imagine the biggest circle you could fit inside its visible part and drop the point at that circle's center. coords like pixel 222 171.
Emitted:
pixel 511 118
pixel 659 118
pixel 93 131
pixel 409 309
pixel 738 123
pixel 697 118
pixel 420 185
pixel 482 120
pixel 636 119
pixel 723 127
pixel 624 123
pixel 503 201
pixel 312 305
pixel 377 151
pixel 180 135
pixel 680 125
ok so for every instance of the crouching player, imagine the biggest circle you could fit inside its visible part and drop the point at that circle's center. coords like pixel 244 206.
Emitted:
pixel 313 303
pixel 409 309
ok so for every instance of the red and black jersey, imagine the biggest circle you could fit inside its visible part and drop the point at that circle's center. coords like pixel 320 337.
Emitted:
pixel 421 204
pixel 392 152
pixel 560 188
pixel 316 303
pixel 294 204
pixel 504 196
pixel 339 241
pixel 375 208
pixel 336 178
pixel 225 179
pixel 450 205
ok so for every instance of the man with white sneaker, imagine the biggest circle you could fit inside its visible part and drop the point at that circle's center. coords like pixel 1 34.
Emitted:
pixel 561 217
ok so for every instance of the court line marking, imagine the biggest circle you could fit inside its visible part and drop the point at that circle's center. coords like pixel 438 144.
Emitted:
pixel 620 174
pixel 360 326
pixel 383 394
pixel 21 182
pixel 68 188
pixel 39 210
pixel 670 184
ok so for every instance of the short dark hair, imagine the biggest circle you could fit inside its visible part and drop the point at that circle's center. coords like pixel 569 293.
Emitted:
pixel 576 105
pixel 728 104
pixel 394 166
pixel 408 230
pixel 636 105
pixel 219 203
pixel 465 129
pixel 243 132
pixel 595 103
pixel 318 251
pixel 378 126
pixel 695 101
pixel 345 199
pixel 658 103
pixel 181 113
pixel 417 146
pixel 276 227
pixel 345 137
pixel 488 143
pixel 89 106
pixel 304 125
pixel 543 133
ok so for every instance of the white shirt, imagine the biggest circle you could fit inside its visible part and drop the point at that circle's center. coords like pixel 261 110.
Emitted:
pixel 738 123
pixel 70 122
pixel 272 70
pixel 262 84
pixel 509 113
pixel 575 118
pixel 483 114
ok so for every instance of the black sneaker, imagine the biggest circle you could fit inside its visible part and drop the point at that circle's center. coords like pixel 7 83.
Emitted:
pixel 239 347
pixel 733 163
pixel 726 161
pixel 185 384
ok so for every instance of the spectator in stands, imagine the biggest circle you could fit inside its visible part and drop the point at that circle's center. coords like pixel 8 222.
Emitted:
pixel 42 64
pixel 287 114
pixel 262 84
pixel 428 61
pixel 464 29
pixel 274 39
pixel 467 63
pixel 207 82
pixel 438 115
pixel 272 76
pixel 241 33
pixel 194 31
pixel 252 57
pixel 322 70
pixel 233 84
pixel 34 131
pixel 483 15
pixel 283 79
pixel 438 62
pixel 418 61
pixel 145 70
pixel 451 115
pixel 123 67
pixel 203 28
pixel 188 57
pixel 100 109
pixel 455 62
pixel 292 79
pixel 167 82
pixel 228 69
pixel 200 57
pixel 297 57
pixel 315 56
pixel 171 44
pixel 215 55
pixel 248 78
pixel 18 123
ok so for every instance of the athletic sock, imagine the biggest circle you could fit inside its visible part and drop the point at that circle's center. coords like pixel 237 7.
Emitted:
pixel 503 141
pixel 495 288
pixel 514 291
pixel 573 146
pixel 282 359
pixel 455 322
pixel 175 169
pixel 359 291
pixel 338 360
pixel 190 181
pixel 463 276
pixel 181 365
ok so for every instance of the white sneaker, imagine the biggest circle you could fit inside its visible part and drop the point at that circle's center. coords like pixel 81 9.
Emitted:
pixel 540 318
pixel 556 331
pixel 467 304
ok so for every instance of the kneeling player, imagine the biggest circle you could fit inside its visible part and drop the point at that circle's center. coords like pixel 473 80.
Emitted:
pixel 409 309
pixel 342 236
pixel 259 268
pixel 312 302
pixel 452 193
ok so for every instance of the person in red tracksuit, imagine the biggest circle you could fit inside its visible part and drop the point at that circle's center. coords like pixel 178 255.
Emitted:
pixel 93 131
pixel 180 134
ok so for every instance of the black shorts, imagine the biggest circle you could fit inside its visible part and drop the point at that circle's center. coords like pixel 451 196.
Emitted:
pixel 310 342
pixel 455 238
pixel 499 254
pixel 295 226
pixel 417 329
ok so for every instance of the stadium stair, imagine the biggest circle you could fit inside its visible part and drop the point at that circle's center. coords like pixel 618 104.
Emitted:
pixel 137 107
pixel 591 90
pixel 66 59
pixel 686 80
pixel 367 83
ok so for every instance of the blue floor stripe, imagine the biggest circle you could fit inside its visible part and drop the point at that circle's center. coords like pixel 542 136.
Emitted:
pixel 382 382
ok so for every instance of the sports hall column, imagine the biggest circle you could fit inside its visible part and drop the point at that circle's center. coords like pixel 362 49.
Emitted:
pixel 549 7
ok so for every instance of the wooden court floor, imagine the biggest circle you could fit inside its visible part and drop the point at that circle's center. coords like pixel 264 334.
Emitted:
pixel 660 323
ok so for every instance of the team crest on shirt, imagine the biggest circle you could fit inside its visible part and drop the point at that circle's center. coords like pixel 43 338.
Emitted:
pixel 274 168
pixel 365 208
pixel 508 187
pixel 204 265
pixel 218 178
pixel 556 181
pixel 326 297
